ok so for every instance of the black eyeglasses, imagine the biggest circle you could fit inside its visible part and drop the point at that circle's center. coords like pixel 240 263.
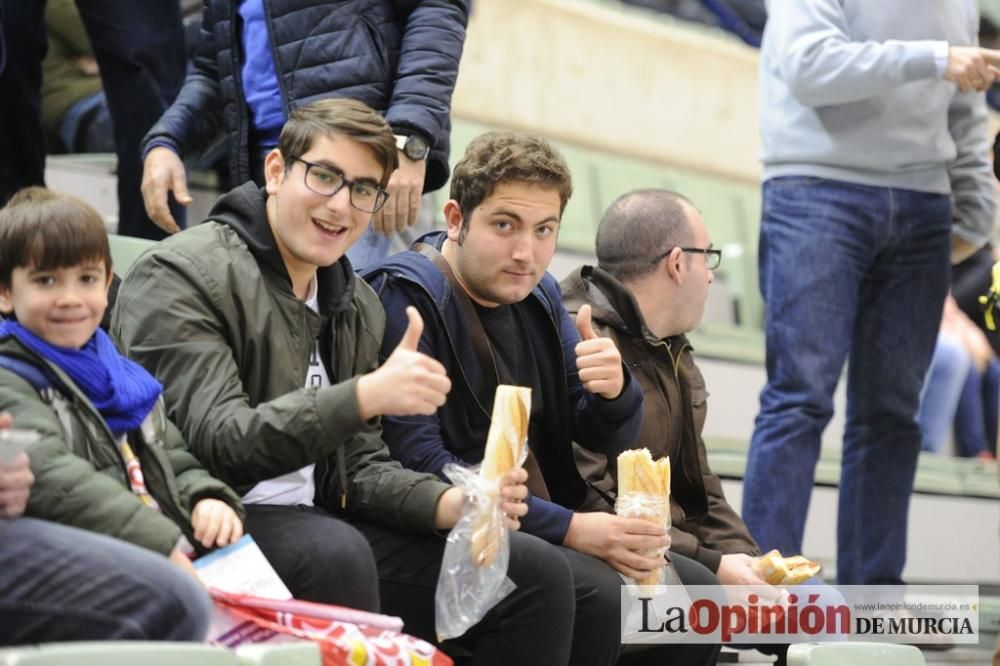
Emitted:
pixel 713 257
pixel 326 181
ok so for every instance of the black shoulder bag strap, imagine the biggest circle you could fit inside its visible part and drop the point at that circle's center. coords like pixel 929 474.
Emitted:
pixel 484 354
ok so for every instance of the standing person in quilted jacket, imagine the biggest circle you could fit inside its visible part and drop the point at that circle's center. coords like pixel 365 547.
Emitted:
pixel 258 60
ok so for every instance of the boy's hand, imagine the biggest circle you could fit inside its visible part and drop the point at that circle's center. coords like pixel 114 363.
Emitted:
pixel 215 523
pixel 512 495
pixel 598 361
pixel 408 383
pixel 15 486
pixel 184 562
pixel 15 479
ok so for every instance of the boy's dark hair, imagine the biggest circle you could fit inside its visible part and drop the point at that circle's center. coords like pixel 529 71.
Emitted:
pixel 495 158
pixel 638 226
pixel 339 115
pixel 45 230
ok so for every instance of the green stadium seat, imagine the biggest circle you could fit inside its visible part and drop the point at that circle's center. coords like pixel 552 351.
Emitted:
pixel 289 654
pixel 853 654
pixel 125 250
pixel 118 653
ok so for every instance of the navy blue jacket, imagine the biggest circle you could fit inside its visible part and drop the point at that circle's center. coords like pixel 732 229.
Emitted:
pixel 457 433
pixel 399 57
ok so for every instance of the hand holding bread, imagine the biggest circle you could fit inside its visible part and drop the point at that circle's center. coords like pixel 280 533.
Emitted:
pixel 644 492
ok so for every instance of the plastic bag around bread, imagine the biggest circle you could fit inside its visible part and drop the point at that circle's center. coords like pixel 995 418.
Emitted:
pixel 778 570
pixel 474 568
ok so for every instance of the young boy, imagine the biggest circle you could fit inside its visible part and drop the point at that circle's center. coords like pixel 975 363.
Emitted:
pixel 108 460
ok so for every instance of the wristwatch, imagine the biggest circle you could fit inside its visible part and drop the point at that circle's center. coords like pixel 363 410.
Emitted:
pixel 413 146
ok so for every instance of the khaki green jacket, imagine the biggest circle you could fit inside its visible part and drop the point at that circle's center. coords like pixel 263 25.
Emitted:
pixel 80 477
pixel 211 313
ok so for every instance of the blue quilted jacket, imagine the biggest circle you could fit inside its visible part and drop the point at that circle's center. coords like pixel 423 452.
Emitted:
pixel 398 56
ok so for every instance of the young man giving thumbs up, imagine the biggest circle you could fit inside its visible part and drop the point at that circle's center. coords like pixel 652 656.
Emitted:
pixel 268 347
pixel 493 315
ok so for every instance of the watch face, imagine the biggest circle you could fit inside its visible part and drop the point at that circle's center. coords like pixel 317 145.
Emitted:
pixel 416 148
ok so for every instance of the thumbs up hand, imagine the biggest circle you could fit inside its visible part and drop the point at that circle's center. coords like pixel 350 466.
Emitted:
pixel 584 324
pixel 408 383
pixel 598 361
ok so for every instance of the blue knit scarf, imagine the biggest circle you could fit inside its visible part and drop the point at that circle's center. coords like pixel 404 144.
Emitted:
pixel 121 390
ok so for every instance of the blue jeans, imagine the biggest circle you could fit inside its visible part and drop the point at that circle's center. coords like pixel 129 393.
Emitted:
pixel 373 247
pixel 858 273
pixel 976 415
pixel 59 583
pixel 950 367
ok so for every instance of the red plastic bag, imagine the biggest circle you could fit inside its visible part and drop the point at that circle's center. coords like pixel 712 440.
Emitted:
pixel 347 637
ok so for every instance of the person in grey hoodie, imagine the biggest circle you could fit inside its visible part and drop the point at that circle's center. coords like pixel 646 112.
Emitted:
pixel 876 169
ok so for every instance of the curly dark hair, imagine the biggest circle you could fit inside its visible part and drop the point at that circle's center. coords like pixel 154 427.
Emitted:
pixel 495 158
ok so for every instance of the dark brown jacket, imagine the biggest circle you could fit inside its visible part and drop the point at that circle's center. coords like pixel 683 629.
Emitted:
pixel 704 526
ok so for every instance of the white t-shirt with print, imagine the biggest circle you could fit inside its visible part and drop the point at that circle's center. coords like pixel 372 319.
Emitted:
pixel 298 487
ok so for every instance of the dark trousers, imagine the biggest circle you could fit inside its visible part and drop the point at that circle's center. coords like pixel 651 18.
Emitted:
pixel 565 610
pixel 318 557
pixel 139 47
pixel 532 625
pixel 22 136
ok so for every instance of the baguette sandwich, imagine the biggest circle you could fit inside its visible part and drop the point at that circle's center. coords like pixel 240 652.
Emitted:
pixel 505 450
pixel 644 492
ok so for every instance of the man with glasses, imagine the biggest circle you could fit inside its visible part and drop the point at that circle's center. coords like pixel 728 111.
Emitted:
pixel 647 305
pixel 495 316
pixel 267 346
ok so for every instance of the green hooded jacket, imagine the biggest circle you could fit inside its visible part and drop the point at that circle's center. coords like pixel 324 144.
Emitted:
pixel 80 476
pixel 211 313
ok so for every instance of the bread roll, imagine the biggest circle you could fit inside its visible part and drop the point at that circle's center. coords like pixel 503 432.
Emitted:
pixel 637 473
pixel 505 450
pixel 778 570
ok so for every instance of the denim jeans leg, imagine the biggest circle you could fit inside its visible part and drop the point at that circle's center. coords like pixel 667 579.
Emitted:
pixel 899 308
pixel 58 583
pixel 939 399
pixel 970 419
pixel 817 242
